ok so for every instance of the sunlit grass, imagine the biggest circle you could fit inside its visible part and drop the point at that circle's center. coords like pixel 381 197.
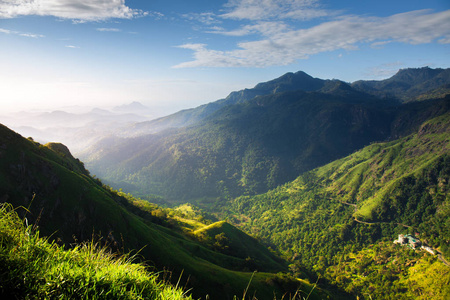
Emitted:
pixel 31 267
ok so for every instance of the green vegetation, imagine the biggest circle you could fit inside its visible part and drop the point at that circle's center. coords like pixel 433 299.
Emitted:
pixel 388 271
pixel 32 267
pixel 227 239
pixel 249 148
pixel 409 84
pixel 66 203
pixel 239 161
pixel 257 139
pixel 352 204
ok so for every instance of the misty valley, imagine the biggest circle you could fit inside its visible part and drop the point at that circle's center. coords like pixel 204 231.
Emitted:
pixel 297 188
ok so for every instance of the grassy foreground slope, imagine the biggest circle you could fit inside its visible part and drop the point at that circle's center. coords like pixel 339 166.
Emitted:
pixel 32 267
pixel 340 220
pixel 65 202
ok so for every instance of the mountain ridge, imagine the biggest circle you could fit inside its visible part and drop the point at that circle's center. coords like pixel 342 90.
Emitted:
pixel 256 145
pixel 287 82
pixel 407 84
pixel 298 81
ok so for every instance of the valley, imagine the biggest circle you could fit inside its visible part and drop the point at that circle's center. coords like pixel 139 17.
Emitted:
pixel 293 189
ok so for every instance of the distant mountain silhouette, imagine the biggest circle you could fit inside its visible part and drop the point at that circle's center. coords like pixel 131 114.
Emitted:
pixel 133 107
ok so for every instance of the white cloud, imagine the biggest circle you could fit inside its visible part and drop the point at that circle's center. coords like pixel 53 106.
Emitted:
pixel 6 31
pixel 80 10
pixel 211 58
pixel 262 11
pixel 24 34
pixel 380 44
pixel 263 28
pixel 268 9
pixel 109 29
pixel 284 45
pixel 32 35
pixel 445 40
pixel 72 46
pixel 206 18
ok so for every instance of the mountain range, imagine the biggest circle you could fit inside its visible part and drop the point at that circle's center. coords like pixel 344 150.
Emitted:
pixel 409 84
pixel 76 127
pixel 257 139
pixel 303 179
pixel 406 85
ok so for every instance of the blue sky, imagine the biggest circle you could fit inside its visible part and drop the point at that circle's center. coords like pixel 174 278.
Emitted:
pixel 176 54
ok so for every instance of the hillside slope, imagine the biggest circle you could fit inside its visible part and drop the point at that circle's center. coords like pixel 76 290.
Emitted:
pixel 227 239
pixel 66 203
pixel 251 147
pixel 340 219
pixel 31 267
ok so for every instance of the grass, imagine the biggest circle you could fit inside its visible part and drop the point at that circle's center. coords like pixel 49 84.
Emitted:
pixel 31 267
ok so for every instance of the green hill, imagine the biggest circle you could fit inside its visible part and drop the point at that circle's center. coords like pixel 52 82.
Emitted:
pixel 66 203
pixel 229 240
pixel 340 220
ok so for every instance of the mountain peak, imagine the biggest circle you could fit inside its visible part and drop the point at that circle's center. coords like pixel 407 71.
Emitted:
pixel 415 75
pixel 133 106
pixel 60 149
pixel 291 81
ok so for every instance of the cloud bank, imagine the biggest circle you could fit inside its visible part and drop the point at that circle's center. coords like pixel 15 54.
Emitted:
pixel 281 40
pixel 81 10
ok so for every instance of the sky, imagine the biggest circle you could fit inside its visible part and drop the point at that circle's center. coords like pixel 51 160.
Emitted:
pixel 177 54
